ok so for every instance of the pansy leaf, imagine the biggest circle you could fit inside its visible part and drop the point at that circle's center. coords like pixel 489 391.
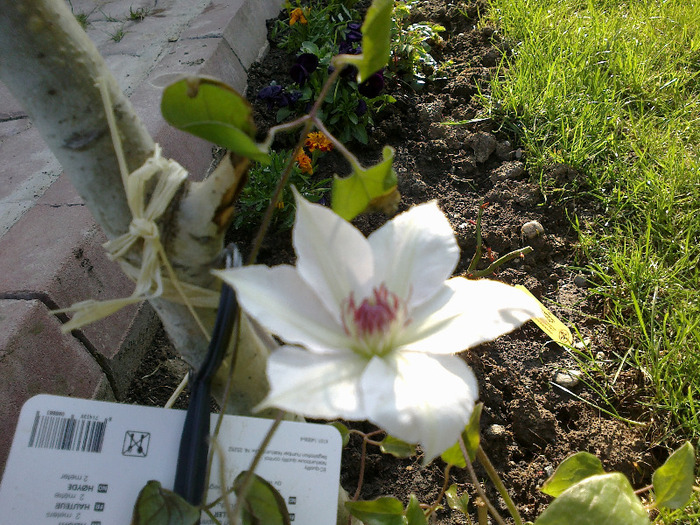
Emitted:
pixel 471 438
pixel 457 502
pixel 573 469
pixel 158 506
pixel 673 481
pixel 376 41
pixel 262 503
pixel 605 498
pixel 414 514
pixel 212 110
pixel 365 188
pixel 381 511
pixel 397 448
pixel 344 432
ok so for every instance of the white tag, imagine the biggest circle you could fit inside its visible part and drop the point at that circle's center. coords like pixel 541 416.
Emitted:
pixel 82 462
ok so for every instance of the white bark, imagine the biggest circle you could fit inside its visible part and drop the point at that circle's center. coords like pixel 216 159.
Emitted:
pixel 51 67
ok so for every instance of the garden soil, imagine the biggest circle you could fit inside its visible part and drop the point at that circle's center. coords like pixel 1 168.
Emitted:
pixel 529 422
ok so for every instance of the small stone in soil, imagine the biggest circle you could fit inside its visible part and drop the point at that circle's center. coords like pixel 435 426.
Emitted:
pixel 483 145
pixel 567 378
pixel 508 170
pixel 580 345
pixel 581 281
pixel 495 431
pixel 531 230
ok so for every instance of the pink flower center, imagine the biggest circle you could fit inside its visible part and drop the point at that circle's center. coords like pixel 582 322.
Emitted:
pixel 373 323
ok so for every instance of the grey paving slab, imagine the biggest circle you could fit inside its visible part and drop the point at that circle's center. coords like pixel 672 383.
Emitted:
pixel 71 268
pixel 39 359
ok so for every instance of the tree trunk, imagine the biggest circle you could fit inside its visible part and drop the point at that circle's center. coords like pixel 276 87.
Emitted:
pixel 52 67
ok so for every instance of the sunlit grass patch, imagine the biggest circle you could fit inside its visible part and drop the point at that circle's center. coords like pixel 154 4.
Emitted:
pixel 612 89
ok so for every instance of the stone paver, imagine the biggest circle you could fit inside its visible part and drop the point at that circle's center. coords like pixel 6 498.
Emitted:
pixel 29 330
pixel 50 248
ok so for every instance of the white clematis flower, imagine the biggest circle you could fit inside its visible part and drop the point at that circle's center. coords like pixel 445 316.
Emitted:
pixel 379 321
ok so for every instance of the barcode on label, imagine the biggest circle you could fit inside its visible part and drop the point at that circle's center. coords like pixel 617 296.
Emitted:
pixel 67 433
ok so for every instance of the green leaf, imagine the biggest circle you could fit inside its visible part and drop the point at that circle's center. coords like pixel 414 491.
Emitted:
pixel 472 433
pixel 283 113
pixel 573 469
pixel 262 503
pixel 397 448
pixel 354 194
pixel 414 514
pixel 344 432
pixel 381 511
pixel 597 500
pixel 158 506
pixel 214 111
pixel 471 438
pixel 376 41
pixel 360 134
pixel 673 481
pixel 457 502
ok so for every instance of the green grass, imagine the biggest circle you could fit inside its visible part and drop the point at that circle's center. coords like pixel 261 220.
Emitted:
pixel 612 88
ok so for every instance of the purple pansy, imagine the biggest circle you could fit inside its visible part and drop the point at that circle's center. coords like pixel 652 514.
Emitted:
pixel 373 85
pixel 305 65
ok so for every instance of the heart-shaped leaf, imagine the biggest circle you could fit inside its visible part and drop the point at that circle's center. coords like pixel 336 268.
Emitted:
pixel 572 470
pixel 365 187
pixel 457 502
pixel 262 503
pixel 344 432
pixel 673 481
pixel 381 511
pixel 605 498
pixel 158 506
pixel 397 448
pixel 414 514
pixel 212 110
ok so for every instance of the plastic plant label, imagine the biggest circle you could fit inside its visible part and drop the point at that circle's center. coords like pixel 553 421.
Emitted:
pixel 550 324
pixel 85 462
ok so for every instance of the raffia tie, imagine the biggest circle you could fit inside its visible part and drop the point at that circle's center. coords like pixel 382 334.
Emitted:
pixel 149 278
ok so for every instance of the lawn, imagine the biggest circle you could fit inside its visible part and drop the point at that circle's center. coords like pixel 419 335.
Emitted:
pixel 612 89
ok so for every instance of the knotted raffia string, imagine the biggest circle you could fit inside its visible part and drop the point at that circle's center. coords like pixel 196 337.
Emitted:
pixel 150 283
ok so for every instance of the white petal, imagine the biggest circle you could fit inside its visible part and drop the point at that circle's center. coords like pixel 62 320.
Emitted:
pixel 415 252
pixel 420 398
pixel 312 385
pixel 332 255
pixel 282 302
pixel 466 313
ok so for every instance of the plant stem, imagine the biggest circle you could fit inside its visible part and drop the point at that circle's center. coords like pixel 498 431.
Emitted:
pixel 481 511
pixel 496 480
pixel 361 476
pixel 287 126
pixel 339 146
pixel 248 479
pixel 284 179
pixel 477 253
pixel 520 252
pixel 643 490
pixel 477 484
pixel 445 486
pixel 245 485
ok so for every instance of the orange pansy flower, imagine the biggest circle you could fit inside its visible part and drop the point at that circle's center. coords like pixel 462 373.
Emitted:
pixel 317 140
pixel 304 163
pixel 297 16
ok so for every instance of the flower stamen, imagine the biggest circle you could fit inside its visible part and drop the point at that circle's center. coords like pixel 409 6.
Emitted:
pixel 374 322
